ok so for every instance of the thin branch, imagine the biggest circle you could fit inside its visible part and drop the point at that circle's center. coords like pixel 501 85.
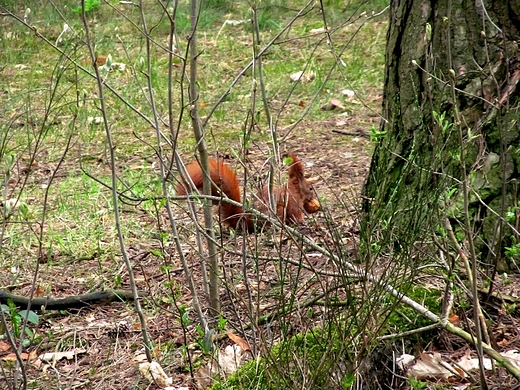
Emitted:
pixel 115 200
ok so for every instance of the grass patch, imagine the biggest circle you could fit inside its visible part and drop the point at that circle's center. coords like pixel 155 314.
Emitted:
pixel 222 57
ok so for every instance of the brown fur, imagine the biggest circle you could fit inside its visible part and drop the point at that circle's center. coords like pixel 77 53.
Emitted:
pixel 291 199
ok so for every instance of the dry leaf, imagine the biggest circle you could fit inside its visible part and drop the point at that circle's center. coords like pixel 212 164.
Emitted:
pixel 514 356
pixel 25 356
pixel 296 76
pixel 101 60
pixel 69 367
pixel 336 103
pixel 332 105
pixel 302 76
pixel 510 87
pixel 253 287
pixel 229 360
pixel 454 319
pixel 155 373
pixel 467 363
pixel 39 292
pixel 4 346
pixel 320 30
pixel 239 341
pixel 348 93
pixel 431 367
pixel 404 360
pixel 202 377
pixel 55 356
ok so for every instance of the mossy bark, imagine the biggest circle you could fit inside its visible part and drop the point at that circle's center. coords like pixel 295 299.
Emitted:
pixel 452 70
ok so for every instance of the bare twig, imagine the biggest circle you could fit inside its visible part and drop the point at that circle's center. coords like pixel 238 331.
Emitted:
pixel 115 200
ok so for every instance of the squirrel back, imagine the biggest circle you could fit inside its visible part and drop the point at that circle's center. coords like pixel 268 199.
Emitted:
pixel 290 199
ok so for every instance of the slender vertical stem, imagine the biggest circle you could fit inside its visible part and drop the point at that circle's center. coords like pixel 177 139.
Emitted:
pixel 258 63
pixel 198 131
pixel 115 199
pixel 480 325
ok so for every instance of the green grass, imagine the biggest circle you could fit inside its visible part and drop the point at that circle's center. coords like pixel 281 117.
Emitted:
pixel 221 59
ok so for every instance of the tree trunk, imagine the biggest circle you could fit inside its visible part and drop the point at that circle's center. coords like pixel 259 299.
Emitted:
pixel 451 104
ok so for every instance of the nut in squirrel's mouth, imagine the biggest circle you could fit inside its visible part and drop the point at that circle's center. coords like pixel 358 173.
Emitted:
pixel 312 206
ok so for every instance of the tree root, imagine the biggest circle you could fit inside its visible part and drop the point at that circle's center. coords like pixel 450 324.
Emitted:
pixel 70 302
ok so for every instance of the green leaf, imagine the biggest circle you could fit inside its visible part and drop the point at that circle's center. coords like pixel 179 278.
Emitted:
pixel 157 253
pixel 207 341
pixel 33 318
pixel 24 210
pixel 30 333
pixel 90 5
pixel 348 380
pixel 417 384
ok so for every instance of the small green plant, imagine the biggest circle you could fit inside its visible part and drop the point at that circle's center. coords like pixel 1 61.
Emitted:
pixel 510 308
pixel 206 344
pixel 221 325
pixel 118 282
pixel 505 279
pixel 450 192
pixel 376 134
pixel 185 318
pixel 204 339
pixel 417 384
pixel 16 318
pixel 511 214
pixel 90 6
pixel 513 252
pixel 348 380
pixel 442 122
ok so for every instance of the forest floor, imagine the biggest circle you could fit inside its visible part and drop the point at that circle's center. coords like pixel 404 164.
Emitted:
pixel 104 337
pixel 275 287
pixel 104 341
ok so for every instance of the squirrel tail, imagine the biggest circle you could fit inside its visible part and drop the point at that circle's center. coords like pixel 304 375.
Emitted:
pixel 225 179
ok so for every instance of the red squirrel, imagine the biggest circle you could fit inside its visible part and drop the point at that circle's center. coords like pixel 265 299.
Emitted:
pixel 290 199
